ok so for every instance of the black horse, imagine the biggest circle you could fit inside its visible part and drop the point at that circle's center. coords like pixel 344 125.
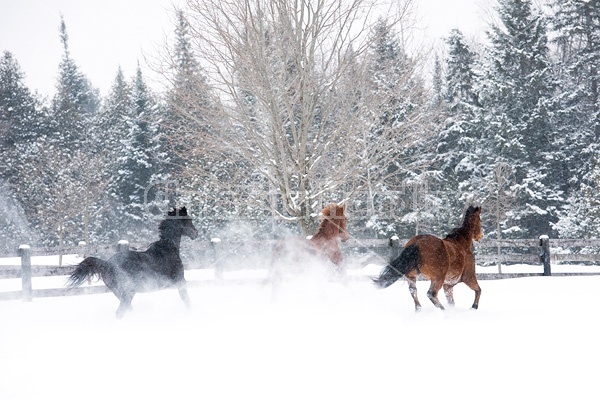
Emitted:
pixel 130 272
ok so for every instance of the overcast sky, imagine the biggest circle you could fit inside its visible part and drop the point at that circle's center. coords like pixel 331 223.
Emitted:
pixel 104 34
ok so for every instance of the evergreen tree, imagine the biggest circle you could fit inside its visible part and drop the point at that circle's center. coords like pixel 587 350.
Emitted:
pixel 75 102
pixel 460 91
pixel 438 84
pixel 66 158
pixel 21 122
pixel 114 118
pixel 516 95
pixel 577 27
pixel 187 100
pixel 111 128
pixel 580 216
pixel 457 140
pixel 138 159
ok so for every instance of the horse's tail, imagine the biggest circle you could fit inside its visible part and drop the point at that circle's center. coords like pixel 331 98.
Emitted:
pixel 400 266
pixel 91 267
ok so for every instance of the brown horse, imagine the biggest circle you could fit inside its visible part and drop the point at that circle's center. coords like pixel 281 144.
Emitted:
pixel 445 262
pixel 323 244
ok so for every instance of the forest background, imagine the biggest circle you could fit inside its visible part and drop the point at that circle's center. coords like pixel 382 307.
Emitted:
pixel 272 109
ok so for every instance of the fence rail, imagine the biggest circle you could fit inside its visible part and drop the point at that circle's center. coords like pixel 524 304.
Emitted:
pixel 542 251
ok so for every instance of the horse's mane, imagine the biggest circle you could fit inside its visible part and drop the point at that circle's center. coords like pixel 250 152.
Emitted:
pixel 466 227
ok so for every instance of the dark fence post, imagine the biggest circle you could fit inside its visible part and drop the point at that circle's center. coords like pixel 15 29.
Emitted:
pixel 545 254
pixel 122 246
pixel 25 253
pixel 214 244
pixel 395 248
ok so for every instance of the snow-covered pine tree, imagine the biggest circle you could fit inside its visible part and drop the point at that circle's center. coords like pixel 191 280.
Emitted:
pixel 457 143
pixel 138 162
pixel 114 120
pixel 75 102
pixel 21 123
pixel 186 100
pixel 517 89
pixel 438 82
pixel 580 217
pixel 111 125
pixel 577 35
pixel 21 120
pixel 66 154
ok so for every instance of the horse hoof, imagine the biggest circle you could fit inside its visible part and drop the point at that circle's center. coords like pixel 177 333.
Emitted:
pixel 475 306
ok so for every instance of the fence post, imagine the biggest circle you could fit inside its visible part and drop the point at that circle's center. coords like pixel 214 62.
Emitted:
pixel 82 248
pixel 214 244
pixel 395 248
pixel 545 254
pixel 26 290
pixel 122 246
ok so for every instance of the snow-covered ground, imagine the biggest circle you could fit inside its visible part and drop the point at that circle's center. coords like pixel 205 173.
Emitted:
pixel 531 338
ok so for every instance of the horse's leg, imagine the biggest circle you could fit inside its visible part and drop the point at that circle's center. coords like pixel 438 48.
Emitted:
pixel 339 270
pixel 112 283
pixel 336 259
pixel 123 307
pixel 332 259
pixel 449 291
pixel 124 295
pixel 183 293
pixel 125 304
pixel 474 285
pixel 436 285
pixel 412 288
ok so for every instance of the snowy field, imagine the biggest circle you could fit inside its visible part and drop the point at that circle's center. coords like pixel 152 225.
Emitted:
pixel 533 337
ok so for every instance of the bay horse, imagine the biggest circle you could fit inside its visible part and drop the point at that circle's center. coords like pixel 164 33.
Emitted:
pixel 129 272
pixel 445 262
pixel 323 244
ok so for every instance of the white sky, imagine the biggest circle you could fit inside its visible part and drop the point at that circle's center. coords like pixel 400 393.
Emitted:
pixel 104 34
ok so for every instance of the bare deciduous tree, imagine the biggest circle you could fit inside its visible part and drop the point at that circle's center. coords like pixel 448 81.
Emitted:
pixel 293 100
